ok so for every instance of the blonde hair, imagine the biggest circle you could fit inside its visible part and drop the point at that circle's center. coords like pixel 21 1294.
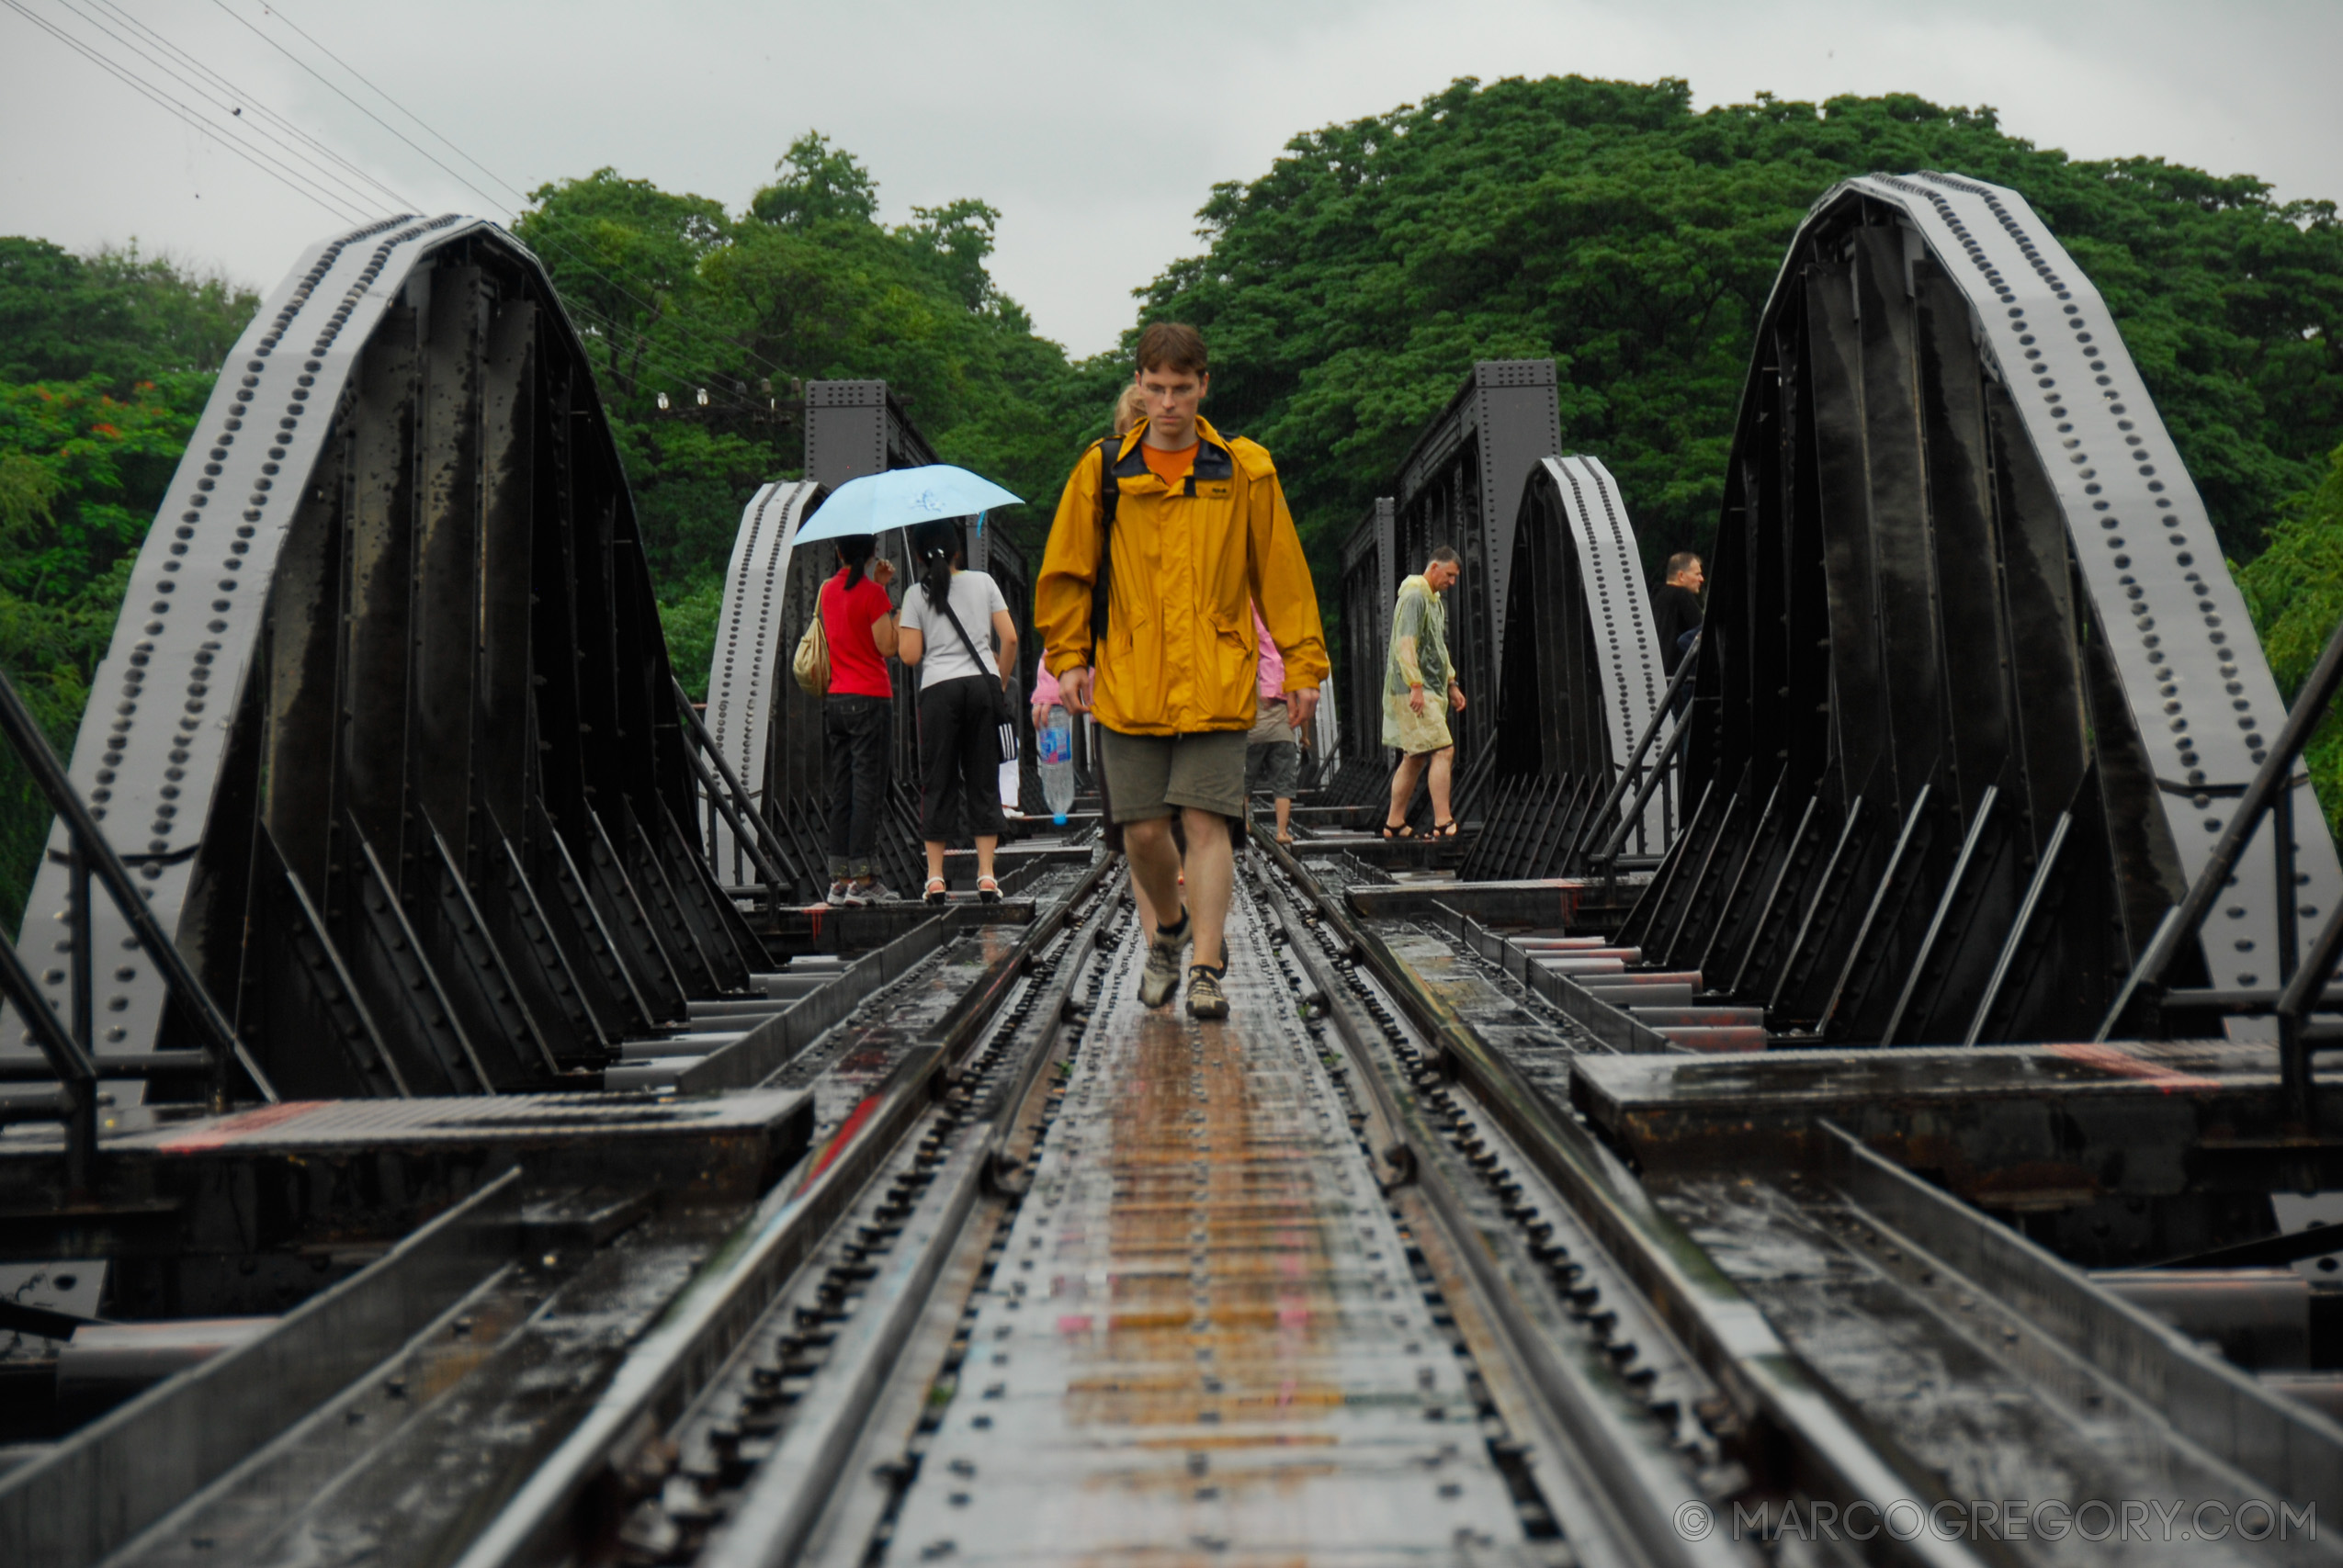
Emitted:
pixel 1129 408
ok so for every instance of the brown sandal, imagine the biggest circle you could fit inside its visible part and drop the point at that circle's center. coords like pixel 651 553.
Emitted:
pixel 1399 831
pixel 1447 830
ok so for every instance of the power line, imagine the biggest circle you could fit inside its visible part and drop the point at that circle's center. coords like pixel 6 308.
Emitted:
pixel 705 343
pixel 278 12
pixel 182 111
pixel 651 360
pixel 325 179
pixel 345 98
pixel 259 109
pixel 337 196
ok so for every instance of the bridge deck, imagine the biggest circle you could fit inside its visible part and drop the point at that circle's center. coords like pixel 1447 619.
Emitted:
pixel 1206 1335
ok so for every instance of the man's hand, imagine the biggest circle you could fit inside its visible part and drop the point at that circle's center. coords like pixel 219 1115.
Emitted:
pixel 1073 689
pixel 882 571
pixel 1455 696
pixel 1415 698
pixel 1301 706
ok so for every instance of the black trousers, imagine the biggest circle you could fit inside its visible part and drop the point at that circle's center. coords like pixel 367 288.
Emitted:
pixel 960 758
pixel 858 733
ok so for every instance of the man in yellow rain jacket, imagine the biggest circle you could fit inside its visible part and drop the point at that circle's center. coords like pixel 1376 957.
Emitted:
pixel 1193 533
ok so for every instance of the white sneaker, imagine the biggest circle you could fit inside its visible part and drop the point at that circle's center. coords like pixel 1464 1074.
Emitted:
pixel 1160 975
pixel 841 894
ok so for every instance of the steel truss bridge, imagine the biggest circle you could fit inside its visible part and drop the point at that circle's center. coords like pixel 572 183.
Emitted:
pixel 1853 1100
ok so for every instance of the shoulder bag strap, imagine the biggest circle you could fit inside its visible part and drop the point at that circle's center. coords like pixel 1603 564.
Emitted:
pixel 965 641
pixel 1004 715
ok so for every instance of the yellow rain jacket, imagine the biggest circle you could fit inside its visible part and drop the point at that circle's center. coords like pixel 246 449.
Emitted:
pixel 1184 570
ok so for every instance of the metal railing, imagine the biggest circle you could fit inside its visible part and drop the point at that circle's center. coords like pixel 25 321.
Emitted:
pixel 1645 780
pixel 69 1044
pixel 2302 978
pixel 727 801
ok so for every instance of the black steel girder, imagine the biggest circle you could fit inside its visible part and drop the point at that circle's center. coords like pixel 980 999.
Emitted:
pixel 1975 680
pixel 408 766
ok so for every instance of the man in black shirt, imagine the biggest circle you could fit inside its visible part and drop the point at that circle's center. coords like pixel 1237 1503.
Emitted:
pixel 1676 607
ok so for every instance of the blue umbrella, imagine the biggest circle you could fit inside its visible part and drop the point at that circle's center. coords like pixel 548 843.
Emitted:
pixel 902 498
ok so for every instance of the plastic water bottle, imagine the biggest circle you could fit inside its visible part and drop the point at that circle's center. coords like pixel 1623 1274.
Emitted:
pixel 1054 749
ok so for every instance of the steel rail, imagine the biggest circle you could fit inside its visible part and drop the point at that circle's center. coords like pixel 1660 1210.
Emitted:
pixel 719 1308
pixel 2206 1399
pixel 991 988
pixel 1619 1467
pixel 785 1500
pixel 1386 1138
pixel 1770 1386
pixel 786 1497
pixel 1055 1007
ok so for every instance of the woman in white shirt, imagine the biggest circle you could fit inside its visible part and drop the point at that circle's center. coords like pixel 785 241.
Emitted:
pixel 960 738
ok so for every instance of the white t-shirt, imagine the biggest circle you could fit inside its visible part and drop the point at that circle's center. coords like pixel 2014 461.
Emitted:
pixel 944 657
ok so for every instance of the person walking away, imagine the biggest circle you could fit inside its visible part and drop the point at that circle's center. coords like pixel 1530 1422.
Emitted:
pixel 959 735
pixel 1273 755
pixel 1676 608
pixel 1414 724
pixel 857 713
pixel 1183 526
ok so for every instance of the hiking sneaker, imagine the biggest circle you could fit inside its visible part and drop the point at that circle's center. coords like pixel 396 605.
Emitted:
pixel 1161 976
pixel 842 893
pixel 869 890
pixel 1206 999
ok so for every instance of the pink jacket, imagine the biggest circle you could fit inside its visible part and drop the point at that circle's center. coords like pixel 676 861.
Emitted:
pixel 1271 688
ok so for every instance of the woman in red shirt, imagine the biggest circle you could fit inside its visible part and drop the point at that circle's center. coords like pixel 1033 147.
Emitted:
pixel 857 716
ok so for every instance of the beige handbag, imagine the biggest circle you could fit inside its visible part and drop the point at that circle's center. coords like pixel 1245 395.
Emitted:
pixel 813 662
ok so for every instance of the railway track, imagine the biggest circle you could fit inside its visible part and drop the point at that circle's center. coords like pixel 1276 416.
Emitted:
pixel 545 1190
pixel 1369 1272
pixel 1138 1283
pixel 1347 1278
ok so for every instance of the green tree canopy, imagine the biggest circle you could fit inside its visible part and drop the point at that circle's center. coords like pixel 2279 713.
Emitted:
pixel 1348 291
pixel 2294 590
pixel 106 362
pixel 115 314
pixel 806 284
pixel 820 184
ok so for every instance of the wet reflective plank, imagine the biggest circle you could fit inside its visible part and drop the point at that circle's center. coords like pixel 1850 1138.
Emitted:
pixel 1204 1341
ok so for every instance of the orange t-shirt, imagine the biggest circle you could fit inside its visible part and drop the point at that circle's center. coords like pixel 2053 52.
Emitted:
pixel 1169 466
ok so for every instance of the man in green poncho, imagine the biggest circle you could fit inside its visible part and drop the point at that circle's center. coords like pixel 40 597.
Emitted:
pixel 1415 723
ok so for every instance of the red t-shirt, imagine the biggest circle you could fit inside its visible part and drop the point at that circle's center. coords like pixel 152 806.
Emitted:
pixel 855 667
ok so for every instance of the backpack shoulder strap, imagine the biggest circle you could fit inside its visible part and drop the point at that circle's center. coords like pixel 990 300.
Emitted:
pixel 1110 493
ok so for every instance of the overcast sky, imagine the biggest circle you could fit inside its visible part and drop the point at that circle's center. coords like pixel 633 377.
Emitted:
pixel 1096 130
